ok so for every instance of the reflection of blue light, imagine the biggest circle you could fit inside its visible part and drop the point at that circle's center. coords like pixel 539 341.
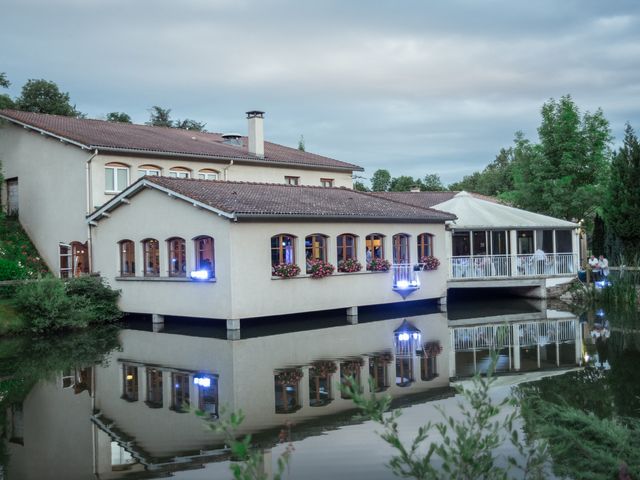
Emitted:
pixel 200 274
pixel 403 284
pixel 602 283
pixel 600 312
pixel 403 337
pixel 202 381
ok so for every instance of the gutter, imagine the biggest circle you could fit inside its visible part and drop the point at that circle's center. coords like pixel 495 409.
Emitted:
pixel 89 197
pixel 333 218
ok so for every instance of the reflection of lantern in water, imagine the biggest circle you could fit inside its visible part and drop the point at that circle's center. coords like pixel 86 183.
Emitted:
pixel 129 377
pixel 406 339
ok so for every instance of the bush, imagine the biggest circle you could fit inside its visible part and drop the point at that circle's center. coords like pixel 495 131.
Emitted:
pixel 11 270
pixel 50 304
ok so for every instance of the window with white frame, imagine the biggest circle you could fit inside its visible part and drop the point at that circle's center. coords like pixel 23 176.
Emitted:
pixel 208 174
pixel 180 172
pixel 149 170
pixel 116 177
pixel 326 182
pixel 292 180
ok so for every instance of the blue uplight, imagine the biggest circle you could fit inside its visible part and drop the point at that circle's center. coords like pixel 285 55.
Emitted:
pixel 204 382
pixel 200 275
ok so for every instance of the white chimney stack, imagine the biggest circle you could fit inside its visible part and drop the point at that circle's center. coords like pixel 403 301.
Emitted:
pixel 256 132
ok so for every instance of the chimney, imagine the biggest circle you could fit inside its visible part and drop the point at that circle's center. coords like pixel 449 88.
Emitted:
pixel 256 132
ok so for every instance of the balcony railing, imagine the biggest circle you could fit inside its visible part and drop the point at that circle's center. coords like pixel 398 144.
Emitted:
pixel 502 266
pixel 405 279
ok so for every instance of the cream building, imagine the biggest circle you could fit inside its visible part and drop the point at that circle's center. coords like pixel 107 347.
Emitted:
pixel 58 169
pixel 212 249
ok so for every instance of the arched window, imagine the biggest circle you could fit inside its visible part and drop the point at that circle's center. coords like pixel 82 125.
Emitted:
pixel 283 249
pixel 150 170
pixel 116 177
pixel 346 244
pixel 375 246
pixel 205 259
pixel 425 245
pixel 127 258
pixel 401 248
pixel 151 253
pixel 177 257
pixel 208 174
pixel 315 248
pixel 180 172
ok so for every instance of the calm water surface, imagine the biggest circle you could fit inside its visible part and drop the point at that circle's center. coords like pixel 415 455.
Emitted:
pixel 118 402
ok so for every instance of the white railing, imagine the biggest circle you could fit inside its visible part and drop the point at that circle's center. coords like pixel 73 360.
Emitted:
pixel 404 277
pixel 496 266
pixel 485 337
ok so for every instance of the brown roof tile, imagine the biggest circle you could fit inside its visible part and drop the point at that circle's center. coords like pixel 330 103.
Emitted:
pixel 147 140
pixel 263 199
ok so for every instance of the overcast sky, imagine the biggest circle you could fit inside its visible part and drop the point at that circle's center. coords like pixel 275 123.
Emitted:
pixel 412 86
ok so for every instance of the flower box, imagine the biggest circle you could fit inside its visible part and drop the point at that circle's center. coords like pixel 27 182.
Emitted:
pixel 378 265
pixel 319 268
pixel 285 270
pixel 349 265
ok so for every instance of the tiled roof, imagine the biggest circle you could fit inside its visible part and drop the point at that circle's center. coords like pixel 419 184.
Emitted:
pixel 244 199
pixel 429 199
pixel 147 140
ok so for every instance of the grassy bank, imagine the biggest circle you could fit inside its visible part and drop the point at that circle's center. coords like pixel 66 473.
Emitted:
pixel 19 258
pixel 10 320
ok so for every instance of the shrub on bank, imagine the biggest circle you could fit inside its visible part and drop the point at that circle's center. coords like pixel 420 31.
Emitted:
pixel 52 304
pixel 18 257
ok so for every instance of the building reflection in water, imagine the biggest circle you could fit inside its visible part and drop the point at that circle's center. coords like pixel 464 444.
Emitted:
pixel 135 412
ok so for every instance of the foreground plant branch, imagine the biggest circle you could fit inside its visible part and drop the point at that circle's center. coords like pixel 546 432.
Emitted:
pixel 466 445
pixel 249 464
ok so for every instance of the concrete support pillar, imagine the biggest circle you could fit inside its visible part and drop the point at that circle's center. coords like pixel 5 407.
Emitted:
pixel 266 462
pixel 352 315
pixel 233 324
pixel 513 251
pixel 167 386
pixel 515 331
pixel 364 374
pixel 578 342
pixel 452 354
pixel 157 318
pixel 303 388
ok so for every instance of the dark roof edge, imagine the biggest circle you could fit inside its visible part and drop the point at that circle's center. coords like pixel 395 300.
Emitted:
pixel 258 161
pixel 46 132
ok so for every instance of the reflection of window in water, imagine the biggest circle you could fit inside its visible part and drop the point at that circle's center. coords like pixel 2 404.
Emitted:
pixel 17 424
pixel 286 389
pixel 350 372
pixel 208 396
pixel 130 383
pixel 428 368
pixel 180 391
pixel 319 388
pixel 120 457
pixel 154 387
pixel 404 371
pixel 378 372
pixel 68 378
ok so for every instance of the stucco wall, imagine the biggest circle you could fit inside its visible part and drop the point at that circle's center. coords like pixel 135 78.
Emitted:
pixel 51 188
pixel 237 172
pixel 153 214
pixel 268 296
pixel 244 286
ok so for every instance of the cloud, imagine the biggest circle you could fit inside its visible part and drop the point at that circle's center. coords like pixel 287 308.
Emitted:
pixel 410 86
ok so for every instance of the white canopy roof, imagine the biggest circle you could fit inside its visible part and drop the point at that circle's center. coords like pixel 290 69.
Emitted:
pixel 474 213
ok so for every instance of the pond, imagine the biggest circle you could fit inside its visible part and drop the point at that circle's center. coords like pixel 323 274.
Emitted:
pixel 119 402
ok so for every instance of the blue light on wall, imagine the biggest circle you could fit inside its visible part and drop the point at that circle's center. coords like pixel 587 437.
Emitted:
pixel 200 275
pixel 204 382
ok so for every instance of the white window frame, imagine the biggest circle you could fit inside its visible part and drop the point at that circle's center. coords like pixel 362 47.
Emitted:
pixel 114 173
pixel 208 175
pixel 292 180
pixel 174 173
pixel 327 182
pixel 154 172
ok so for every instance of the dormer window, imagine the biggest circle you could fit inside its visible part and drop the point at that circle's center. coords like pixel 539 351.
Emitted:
pixel 292 180
pixel 150 170
pixel 208 174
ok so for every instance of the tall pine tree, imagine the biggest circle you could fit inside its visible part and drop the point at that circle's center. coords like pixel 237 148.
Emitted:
pixel 622 205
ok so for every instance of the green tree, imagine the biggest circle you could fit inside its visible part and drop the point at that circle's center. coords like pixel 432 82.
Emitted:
pixel 404 183
pixel 381 180
pixel 160 117
pixel 622 201
pixel 301 145
pixel 118 117
pixel 469 183
pixel 5 100
pixel 361 187
pixel 432 183
pixel 494 180
pixel 564 175
pixel 189 124
pixel 43 96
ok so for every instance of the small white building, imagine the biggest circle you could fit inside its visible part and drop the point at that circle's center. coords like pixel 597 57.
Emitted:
pixel 214 249
pixel 491 244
